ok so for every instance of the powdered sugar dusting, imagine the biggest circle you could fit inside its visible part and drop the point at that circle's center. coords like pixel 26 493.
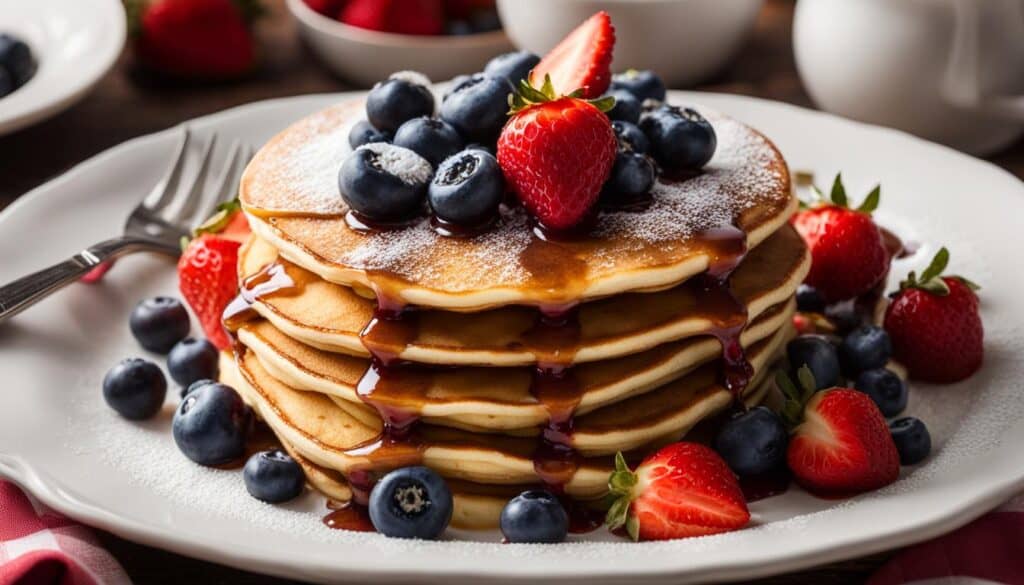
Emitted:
pixel 413 77
pixel 401 162
pixel 739 176
pixel 745 172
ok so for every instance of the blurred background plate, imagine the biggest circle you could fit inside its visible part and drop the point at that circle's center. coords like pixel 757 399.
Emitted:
pixel 75 42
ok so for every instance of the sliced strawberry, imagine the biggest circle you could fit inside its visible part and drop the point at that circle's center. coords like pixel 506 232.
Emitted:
pixel 935 326
pixel 208 280
pixel 582 61
pixel 843 446
pixel 685 489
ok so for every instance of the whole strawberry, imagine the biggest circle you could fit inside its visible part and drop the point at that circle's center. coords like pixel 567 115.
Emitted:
pixel 935 326
pixel 685 489
pixel 840 443
pixel 206 39
pixel 556 153
pixel 208 270
pixel 848 255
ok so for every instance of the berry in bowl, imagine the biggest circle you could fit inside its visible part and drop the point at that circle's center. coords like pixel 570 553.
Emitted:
pixel 365 40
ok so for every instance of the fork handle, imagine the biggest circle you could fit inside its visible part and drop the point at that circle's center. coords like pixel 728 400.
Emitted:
pixel 21 294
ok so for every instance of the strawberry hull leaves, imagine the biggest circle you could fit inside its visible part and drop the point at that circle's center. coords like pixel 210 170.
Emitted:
pixel 848 254
pixel 935 325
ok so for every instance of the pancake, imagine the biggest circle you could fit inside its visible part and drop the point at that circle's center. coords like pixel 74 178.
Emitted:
pixel 475 506
pixel 330 317
pixel 289 192
pixel 488 399
pixel 328 436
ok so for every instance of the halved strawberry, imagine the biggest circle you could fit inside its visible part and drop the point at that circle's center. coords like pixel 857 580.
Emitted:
pixel 842 445
pixel 207 269
pixel 685 489
pixel 582 61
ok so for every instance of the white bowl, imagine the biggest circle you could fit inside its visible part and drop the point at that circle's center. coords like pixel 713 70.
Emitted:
pixel 75 42
pixel 366 57
pixel 684 41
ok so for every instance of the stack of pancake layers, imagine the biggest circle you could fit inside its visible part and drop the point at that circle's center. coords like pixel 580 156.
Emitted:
pixel 508 359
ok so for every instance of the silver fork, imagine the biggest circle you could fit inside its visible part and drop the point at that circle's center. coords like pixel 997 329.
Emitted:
pixel 157 223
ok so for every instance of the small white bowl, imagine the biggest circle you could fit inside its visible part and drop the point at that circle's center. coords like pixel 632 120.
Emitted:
pixel 366 57
pixel 74 42
pixel 683 41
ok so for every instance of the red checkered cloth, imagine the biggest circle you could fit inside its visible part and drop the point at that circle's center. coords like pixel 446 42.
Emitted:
pixel 40 547
pixel 988 550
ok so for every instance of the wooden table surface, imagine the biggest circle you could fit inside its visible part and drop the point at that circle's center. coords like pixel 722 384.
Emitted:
pixel 127 104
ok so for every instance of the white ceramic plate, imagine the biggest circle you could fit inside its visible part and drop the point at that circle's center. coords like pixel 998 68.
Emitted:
pixel 75 42
pixel 60 441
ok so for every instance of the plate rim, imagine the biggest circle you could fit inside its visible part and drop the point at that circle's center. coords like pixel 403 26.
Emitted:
pixel 65 99
pixel 48 490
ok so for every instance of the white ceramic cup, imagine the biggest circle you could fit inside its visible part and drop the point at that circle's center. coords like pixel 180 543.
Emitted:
pixel 684 41
pixel 947 70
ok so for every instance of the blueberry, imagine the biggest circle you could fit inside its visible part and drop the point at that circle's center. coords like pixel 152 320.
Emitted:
pixel 809 300
pixel 433 139
pixel 817 354
pixel 135 388
pixel 212 424
pixel 632 177
pixel 477 107
pixel 645 85
pixel 476 146
pixel 158 323
pixel 363 132
pixel 512 67
pixel 844 316
pixel 273 476
pixel 16 59
pixel 534 516
pixel 411 502
pixel 6 83
pixel 457 82
pixel 631 138
pixel 192 359
pixel 681 139
pixel 186 390
pixel 753 442
pixel 383 182
pixel 884 387
pixel 627 107
pixel 400 98
pixel 865 348
pixel 913 442
pixel 467 189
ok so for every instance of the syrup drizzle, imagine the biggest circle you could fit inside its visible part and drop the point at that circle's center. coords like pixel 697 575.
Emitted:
pixel 392 386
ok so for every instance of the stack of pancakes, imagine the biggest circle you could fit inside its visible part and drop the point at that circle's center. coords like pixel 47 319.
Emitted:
pixel 508 358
